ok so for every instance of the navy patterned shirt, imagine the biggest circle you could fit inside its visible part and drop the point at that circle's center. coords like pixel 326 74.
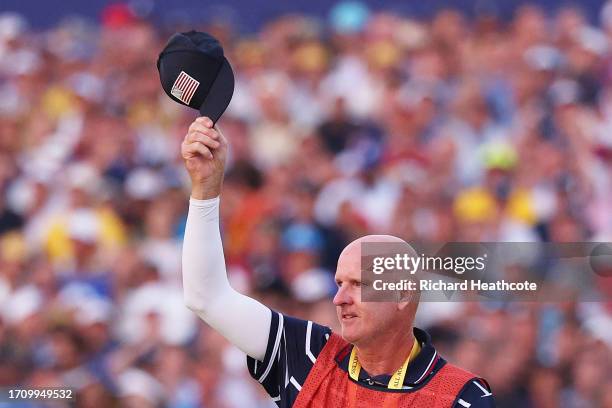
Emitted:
pixel 294 345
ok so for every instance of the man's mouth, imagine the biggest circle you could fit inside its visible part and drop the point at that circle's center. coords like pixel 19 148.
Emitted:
pixel 348 316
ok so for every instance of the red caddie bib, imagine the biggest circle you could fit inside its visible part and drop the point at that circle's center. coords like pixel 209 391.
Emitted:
pixel 328 386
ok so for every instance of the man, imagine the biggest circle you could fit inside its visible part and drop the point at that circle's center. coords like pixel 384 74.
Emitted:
pixel 376 361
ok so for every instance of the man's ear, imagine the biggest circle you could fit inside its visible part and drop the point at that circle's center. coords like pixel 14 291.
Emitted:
pixel 407 297
pixel 402 299
pixel 402 305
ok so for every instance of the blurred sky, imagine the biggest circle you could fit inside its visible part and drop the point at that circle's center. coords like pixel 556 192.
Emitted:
pixel 248 15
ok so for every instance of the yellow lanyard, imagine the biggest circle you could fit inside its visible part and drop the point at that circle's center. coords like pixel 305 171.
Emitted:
pixel 397 379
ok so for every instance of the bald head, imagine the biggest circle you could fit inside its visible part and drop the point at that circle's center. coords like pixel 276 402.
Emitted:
pixel 356 244
pixel 350 258
pixel 352 254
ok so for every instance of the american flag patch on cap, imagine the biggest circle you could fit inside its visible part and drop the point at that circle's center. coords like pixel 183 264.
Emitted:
pixel 184 87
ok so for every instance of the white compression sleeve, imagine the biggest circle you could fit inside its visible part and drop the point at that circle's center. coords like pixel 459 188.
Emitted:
pixel 242 320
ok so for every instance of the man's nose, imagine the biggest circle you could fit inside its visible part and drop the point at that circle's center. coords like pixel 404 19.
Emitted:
pixel 342 297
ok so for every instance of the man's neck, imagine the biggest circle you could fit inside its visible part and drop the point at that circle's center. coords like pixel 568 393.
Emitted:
pixel 386 354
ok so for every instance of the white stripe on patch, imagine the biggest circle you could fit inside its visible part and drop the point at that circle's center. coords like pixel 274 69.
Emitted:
pixel 275 349
pixel 295 383
pixel 486 392
pixel 427 369
pixel 308 335
pixel 184 87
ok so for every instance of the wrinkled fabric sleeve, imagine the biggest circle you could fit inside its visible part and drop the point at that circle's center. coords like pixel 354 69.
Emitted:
pixel 207 292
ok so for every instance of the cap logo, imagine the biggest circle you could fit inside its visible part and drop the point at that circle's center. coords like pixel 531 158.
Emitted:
pixel 184 87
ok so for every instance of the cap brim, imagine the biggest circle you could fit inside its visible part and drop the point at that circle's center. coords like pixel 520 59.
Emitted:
pixel 220 93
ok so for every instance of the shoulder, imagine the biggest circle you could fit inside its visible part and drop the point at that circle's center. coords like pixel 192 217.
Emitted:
pixel 476 393
pixel 296 336
pixel 293 347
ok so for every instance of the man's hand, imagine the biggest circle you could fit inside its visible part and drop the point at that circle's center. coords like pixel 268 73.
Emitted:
pixel 204 151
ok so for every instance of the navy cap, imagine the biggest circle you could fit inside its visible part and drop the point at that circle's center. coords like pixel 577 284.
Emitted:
pixel 194 71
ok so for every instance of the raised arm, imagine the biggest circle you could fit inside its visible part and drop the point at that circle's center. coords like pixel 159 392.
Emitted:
pixel 239 318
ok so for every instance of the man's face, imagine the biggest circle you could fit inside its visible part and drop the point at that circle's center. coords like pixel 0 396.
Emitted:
pixel 360 321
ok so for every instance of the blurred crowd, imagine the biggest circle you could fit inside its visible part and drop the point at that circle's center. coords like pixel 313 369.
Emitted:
pixel 437 130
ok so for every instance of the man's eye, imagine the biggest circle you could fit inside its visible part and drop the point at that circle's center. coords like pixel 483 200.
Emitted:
pixel 357 284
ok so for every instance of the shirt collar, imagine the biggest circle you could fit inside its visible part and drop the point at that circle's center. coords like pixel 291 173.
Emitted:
pixel 418 369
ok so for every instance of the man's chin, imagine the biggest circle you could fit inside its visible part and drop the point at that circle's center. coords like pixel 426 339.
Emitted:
pixel 350 335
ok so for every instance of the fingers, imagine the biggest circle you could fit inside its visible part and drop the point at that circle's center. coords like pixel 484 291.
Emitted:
pixel 201 130
pixel 205 121
pixel 193 149
pixel 203 125
pixel 202 138
pixel 201 133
